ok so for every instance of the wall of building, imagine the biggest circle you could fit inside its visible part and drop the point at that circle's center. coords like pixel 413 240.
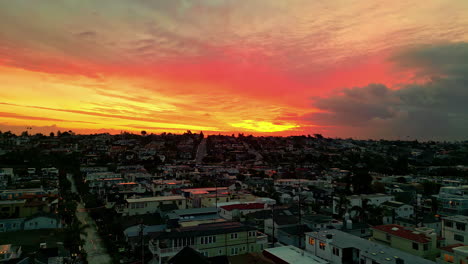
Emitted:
pixel 41 223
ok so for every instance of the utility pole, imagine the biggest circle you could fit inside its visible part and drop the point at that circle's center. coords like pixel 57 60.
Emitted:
pixel 142 242
pixel 273 223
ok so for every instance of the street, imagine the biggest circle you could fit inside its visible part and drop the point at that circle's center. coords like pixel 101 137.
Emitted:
pixel 93 246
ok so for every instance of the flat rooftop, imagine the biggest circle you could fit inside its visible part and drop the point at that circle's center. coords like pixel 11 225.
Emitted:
pixel 367 248
pixel 457 218
pixel 155 199
pixel 291 254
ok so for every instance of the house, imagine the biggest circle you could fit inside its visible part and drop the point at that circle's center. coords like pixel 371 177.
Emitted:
pixel 399 209
pixel 422 242
pixel 186 217
pixel 429 221
pixel 22 208
pixel 42 221
pixel 291 255
pixel 363 199
pixel 292 235
pixel 454 229
pixel 456 253
pixel 206 197
pixel 338 247
pixel 279 221
pixel 213 239
pixel 11 224
pixel 237 211
pixel 149 205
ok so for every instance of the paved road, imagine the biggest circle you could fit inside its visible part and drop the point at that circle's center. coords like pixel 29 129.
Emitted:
pixel 93 246
pixel 201 152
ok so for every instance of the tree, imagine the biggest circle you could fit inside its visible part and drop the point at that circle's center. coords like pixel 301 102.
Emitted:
pixel 342 204
pixel 361 181
pixel 143 133
pixel 52 134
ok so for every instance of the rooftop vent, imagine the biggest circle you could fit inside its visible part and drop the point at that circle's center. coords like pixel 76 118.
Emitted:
pixel 394 228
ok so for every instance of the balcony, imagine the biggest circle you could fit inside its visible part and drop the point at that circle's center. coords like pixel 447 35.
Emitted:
pixel 163 252
pixel 262 238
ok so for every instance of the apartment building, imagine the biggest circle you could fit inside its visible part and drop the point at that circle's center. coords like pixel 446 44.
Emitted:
pixel 453 200
pixel 214 239
pixel 454 229
pixel 338 247
pixel 422 242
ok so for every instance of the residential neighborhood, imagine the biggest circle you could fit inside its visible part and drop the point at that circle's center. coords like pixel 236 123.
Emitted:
pixel 156 198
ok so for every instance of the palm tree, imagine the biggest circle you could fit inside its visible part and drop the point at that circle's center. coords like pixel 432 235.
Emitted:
pixel 74 236
pixel 342 205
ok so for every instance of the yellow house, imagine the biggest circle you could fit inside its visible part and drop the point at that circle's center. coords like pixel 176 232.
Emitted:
pixel 421 242
pixel 22 208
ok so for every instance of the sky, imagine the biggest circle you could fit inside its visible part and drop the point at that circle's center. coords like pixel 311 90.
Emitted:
pixel 343 68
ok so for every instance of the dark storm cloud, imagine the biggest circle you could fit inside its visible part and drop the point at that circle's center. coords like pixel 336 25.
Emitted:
pixel 436 109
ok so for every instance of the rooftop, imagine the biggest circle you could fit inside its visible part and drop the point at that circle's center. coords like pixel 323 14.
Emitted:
pixel 400 231
pixel 394 204
pixel 450 248
pixel 155 199
pixel 249 206
pixel 291 254
pixel 457 218
pixel 379 253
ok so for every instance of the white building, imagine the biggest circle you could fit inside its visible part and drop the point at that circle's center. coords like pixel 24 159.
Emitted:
pixel 150 205
pixel 230 212
pixel 453 200
pixel 454 229
pixel 358 200
pixel 400 209
pixel 292 255
pixel 339 247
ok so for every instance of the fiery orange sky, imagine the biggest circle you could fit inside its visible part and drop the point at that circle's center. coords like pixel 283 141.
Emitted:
pixel 348 68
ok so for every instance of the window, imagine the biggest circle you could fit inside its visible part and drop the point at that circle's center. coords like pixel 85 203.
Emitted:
pixel 448 224
pixel 243 248
pixel 458 237
pixel 220 252
pixel 252 233
pixel 415 246
pixel 233 235
pixel 1 225
pixel 336 251
pixel 234 251
pixel 426 247
pixel 460 226
pixel 208 240
pixel 388 237
pixel 322 245
pixel 311 241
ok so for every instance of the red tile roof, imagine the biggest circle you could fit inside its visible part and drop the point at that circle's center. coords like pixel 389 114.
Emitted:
pixel 249 206
pixel 400 231
pixel 450 248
